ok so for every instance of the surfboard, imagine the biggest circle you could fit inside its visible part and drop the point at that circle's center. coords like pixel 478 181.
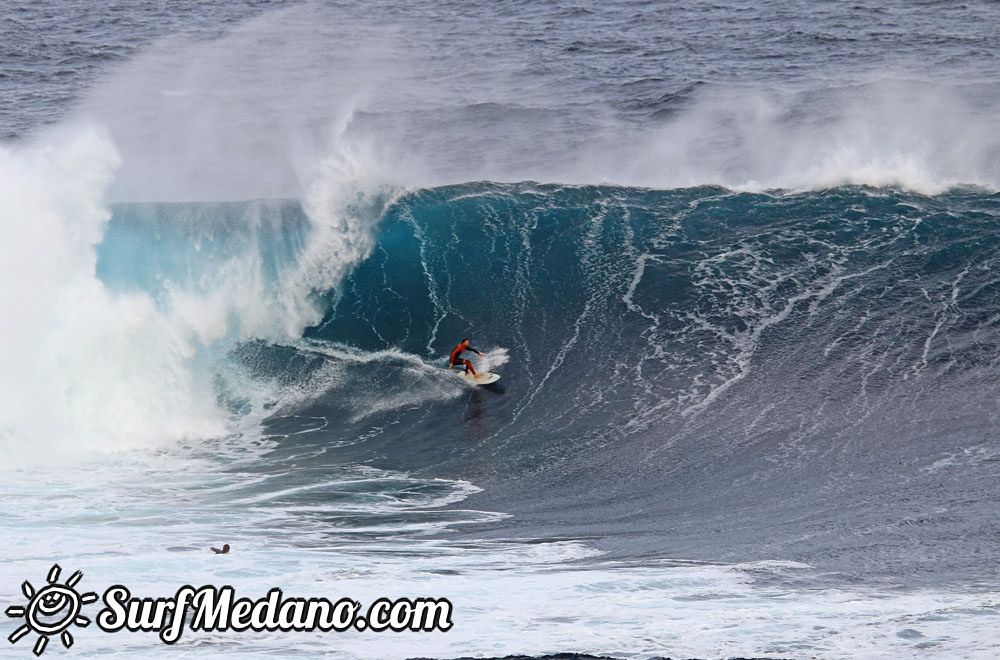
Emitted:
pixel 482 378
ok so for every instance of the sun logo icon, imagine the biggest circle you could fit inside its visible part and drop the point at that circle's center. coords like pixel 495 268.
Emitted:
pixel 51 610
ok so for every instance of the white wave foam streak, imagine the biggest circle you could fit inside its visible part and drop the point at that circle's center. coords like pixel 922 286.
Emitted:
pixel 369 382
pixel 345 196
pixel 494 358
pixel 83 369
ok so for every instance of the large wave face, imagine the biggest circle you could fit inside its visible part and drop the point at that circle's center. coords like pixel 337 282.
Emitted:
pixel 733 362
pixel 637 322
pixel 341 107
pixel 747 317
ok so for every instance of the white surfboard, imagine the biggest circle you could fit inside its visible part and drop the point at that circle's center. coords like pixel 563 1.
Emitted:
pixel 482 377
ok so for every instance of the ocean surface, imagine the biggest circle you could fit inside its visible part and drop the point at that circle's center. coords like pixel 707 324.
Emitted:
pixel 734 262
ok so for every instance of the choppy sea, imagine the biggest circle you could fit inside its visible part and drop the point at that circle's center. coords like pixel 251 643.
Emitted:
pixel 734 262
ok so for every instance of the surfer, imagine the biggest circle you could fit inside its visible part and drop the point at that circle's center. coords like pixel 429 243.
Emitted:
pixel 457 351
pixel 224 551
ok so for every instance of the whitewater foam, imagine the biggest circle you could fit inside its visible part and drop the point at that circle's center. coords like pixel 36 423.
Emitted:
pixel 918 136
pixel 94 364
pixel 83 369
pixel 409 111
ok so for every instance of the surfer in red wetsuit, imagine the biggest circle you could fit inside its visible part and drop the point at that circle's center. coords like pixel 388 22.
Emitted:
pixel 456 360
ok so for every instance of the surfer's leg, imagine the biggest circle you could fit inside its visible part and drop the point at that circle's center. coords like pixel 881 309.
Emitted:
pixel 468 368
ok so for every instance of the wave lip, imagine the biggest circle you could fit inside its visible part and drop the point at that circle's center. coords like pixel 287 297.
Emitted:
pixel 121 330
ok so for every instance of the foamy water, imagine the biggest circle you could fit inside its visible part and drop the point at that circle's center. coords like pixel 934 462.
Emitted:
pixel 232 275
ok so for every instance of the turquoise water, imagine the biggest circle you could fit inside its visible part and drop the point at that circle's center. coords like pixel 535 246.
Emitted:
pixel 734 263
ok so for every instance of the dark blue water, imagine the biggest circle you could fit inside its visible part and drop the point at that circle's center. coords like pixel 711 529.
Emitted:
pixel 724 375
pixel 735 264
